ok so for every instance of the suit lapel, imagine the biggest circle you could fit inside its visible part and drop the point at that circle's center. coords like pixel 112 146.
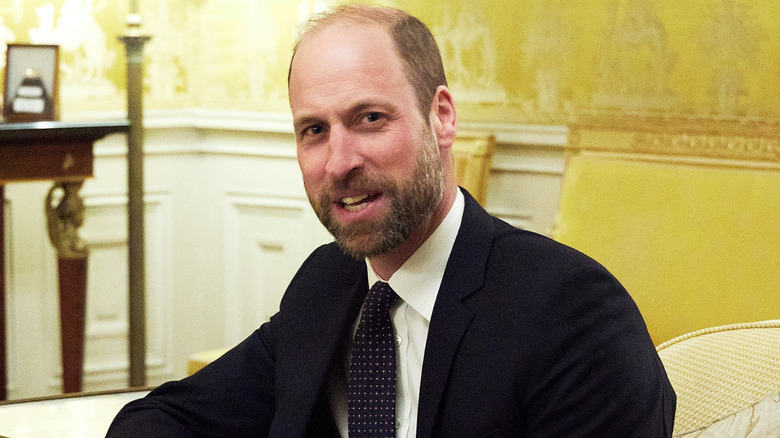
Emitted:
pixel 315 335
pixel 450 319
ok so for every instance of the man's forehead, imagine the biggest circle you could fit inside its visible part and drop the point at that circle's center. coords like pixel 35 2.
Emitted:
pixel 333 36
pixel 344 26
pixel 341 53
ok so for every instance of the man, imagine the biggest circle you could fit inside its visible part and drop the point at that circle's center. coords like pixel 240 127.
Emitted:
pixel 497 331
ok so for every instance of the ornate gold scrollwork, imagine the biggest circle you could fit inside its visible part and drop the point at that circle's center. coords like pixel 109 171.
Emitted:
pixel 738 140
pixel 65 219
pixel 715 146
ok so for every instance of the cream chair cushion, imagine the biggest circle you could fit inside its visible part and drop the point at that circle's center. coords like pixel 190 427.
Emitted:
pixel 727 380
pixel 760 420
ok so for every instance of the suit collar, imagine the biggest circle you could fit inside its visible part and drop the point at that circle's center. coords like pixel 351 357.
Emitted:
pixel 418 280
pixel 463 276
pixel 466 267
pixel 339 286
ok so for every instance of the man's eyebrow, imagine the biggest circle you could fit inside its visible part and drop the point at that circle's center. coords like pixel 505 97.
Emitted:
pixel 357 107
pixel 305 121
pixel 367 104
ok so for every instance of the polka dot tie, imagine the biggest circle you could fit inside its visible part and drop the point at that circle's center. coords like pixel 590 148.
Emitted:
pixel 372 378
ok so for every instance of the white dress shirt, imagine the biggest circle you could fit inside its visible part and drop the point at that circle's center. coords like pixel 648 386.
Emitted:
pixel 417 283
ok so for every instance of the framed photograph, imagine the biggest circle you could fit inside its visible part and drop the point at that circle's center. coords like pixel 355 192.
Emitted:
pixel 30 91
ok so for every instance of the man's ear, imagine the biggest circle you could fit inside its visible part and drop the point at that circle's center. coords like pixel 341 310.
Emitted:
pixel 444 120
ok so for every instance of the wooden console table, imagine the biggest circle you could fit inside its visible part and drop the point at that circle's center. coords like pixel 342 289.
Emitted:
pixel 59 152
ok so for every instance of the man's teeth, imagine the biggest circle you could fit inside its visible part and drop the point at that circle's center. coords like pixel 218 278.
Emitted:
pixel 354 203
pixel 354 199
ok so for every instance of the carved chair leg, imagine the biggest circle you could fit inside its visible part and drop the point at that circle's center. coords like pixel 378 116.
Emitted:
pixel 64 220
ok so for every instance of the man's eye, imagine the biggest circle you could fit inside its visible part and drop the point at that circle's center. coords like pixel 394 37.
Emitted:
pixel 313 130
pixel 373 117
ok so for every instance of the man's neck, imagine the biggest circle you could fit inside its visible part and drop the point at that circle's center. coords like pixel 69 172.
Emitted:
pixel 386 264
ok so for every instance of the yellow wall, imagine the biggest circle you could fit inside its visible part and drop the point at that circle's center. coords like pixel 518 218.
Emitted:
pixel 516 61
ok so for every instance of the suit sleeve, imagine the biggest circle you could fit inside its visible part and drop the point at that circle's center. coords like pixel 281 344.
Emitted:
pixel 233 396
pixel 599 374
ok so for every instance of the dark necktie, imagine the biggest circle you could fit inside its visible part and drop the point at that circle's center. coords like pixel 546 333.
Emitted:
pixel 371 382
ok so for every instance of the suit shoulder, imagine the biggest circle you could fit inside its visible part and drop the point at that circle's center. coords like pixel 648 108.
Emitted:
pixel 327 266
pixel 327 259
pixel 548 275
pixel 514 245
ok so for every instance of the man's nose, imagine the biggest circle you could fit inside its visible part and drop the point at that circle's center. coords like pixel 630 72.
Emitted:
pixel 344 154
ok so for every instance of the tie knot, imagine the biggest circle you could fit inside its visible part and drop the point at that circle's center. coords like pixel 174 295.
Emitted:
pixel 379 300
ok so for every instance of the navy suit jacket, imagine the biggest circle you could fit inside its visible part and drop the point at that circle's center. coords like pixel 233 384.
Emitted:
pixel 528 338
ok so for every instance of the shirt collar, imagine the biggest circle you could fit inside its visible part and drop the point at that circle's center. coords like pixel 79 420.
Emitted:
pixel 417 281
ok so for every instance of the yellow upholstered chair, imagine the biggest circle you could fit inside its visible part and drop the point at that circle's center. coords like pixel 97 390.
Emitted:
pixel 473 153
pixel 727 380
pixel 685 213
pixel 199 360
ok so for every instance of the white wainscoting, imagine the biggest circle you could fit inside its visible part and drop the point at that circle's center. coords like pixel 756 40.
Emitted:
pixel 266 239
pixel 227 225
pixel 32 333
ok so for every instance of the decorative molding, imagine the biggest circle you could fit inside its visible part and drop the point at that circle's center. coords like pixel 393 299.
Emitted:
pixel 542 169
pixel 203 119
pixel 113 375
pixel 262 198
pixel 519 134
pixel 738 147
pixel 713 140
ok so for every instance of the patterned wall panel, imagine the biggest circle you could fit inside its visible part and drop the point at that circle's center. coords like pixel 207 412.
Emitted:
pixel 517 61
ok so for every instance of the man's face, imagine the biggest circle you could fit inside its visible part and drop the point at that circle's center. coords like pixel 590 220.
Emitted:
pixel 370 163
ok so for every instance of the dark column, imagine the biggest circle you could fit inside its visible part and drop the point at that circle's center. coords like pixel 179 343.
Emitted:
pixel 134 48
pixel 3 372
pixel 73 304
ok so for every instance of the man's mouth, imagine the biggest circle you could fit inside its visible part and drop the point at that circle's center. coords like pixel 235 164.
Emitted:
pixel 357 203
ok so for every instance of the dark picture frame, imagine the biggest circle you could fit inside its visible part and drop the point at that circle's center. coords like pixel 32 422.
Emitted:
pixel 31 86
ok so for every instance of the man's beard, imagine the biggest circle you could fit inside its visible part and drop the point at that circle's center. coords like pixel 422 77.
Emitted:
pixel 412 203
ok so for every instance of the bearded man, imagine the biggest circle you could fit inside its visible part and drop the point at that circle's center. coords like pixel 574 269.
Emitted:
pixel 426 317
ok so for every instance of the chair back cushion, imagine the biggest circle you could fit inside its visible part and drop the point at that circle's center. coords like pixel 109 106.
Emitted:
pixel 688 221
pixel 473 154
pixel 727 380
